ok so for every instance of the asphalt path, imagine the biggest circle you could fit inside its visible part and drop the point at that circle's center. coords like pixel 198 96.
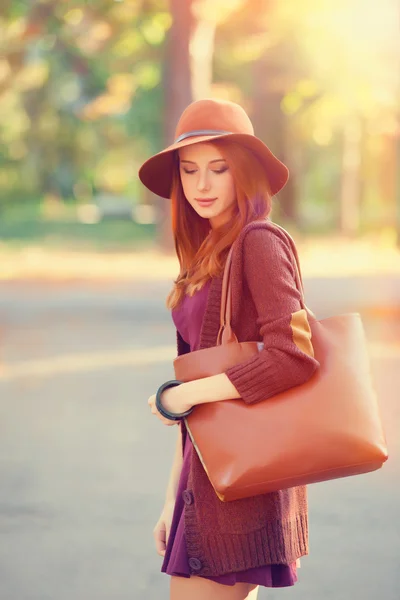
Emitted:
pixel 84 465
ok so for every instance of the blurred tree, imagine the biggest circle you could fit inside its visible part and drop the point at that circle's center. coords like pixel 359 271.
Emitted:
pixel 397 141
pixel 188 68
pixel 88 90
pixel 80 93
pixel 397 175
pixel 349 50
pixel 319 70
pixel 208 16
pixel 177 92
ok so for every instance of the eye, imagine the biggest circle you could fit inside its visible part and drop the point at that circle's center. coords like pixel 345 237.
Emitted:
pixel 219 171
pixel 189 172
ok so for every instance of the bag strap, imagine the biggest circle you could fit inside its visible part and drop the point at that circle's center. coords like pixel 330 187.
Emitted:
pixel 225 333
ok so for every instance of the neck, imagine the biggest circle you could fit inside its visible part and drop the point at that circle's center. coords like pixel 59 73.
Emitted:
pixel 220 221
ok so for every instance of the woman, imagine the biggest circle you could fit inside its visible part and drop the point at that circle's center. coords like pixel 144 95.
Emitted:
pixel 221 178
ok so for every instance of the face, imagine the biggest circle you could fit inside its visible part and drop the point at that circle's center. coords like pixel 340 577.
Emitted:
pixel 207 182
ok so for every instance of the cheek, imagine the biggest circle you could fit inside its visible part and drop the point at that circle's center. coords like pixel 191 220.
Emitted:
pixel 228 191
pixel 189 191
pixel 187 186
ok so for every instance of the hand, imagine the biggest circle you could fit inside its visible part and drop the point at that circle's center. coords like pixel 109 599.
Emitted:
pixel 163 527
pixel 173 400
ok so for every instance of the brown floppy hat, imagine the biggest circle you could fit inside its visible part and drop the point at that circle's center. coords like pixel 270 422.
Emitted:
pixel 206 120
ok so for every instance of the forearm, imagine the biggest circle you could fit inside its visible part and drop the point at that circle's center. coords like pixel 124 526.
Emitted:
pixel 176 470
pixel 179 399
pixel 209 389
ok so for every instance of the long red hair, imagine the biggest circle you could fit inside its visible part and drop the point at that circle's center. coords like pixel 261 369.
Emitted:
pixel 202 251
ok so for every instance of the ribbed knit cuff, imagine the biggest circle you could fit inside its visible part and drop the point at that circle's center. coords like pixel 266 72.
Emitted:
pixel 267 374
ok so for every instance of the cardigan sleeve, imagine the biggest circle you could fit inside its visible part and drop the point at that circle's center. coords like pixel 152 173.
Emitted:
pixel 287 358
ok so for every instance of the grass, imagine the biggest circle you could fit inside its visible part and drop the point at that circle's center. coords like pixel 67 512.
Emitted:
pixel 106 235
pixel 23 225
pixel 49 243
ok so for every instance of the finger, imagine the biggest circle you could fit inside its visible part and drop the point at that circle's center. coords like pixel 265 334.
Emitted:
pixel 160 538
pixel 163 420
pixel 156 412
pixel 160 548
pixel 168 422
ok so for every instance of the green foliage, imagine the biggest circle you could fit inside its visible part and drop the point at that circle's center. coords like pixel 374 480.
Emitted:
pixel 82 91
pixel 23 223
pixel 82 94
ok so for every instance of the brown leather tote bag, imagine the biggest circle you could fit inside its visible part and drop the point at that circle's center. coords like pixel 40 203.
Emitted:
pixel 327 428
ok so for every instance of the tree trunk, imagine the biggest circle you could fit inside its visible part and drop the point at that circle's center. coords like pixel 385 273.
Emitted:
pixel 271 126
pixel 350 186
pixel 177 95
pixel 397 181
pixel 201 55
pixel 397 187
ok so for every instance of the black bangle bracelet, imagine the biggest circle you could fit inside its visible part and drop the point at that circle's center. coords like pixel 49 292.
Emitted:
pixel 163 411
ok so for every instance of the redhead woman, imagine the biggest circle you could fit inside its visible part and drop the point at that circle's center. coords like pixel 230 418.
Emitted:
pixel 221 179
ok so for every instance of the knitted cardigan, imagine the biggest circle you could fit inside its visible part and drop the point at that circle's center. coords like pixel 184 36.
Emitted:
pixel 224 537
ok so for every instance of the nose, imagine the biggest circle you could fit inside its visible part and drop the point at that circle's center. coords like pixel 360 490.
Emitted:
pixel 203 182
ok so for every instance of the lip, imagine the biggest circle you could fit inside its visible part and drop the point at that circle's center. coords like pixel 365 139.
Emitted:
pixel 205 201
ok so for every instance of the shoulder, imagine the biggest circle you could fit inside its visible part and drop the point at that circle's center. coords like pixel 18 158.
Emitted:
pixel 262 240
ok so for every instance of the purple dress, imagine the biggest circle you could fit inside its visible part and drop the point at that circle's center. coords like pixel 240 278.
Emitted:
pixel 188 318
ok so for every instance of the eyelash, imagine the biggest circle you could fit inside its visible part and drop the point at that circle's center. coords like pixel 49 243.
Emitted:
pixel 217 172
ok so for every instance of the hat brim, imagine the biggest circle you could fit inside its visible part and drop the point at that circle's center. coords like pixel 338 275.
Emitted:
pixel 156 172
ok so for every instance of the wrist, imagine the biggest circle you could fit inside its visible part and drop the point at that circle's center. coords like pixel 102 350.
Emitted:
pixel 195 392
pixel 178 399
pixel 209 389
pixel 184 397
pixel 169 502
pixel 170 402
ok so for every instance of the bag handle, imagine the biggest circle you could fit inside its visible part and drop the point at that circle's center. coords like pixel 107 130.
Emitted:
pixel 225 334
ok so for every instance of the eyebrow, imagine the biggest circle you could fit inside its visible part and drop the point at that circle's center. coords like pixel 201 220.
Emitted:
pixel 211 161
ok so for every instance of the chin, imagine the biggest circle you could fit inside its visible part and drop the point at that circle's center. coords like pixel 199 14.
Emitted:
pixel 207 213
pixel 210 214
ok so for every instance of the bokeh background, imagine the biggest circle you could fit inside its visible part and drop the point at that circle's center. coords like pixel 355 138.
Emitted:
pixel 89 90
